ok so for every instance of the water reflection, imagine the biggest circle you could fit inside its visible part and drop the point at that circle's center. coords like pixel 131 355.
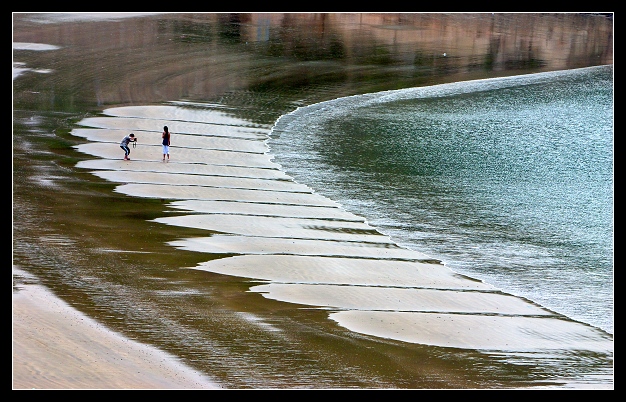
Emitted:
pixel 190 56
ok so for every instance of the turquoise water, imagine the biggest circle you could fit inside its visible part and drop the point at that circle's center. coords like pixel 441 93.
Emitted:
pixel 507 180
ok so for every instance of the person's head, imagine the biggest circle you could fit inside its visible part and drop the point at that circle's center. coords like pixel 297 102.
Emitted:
pixel 165 129
pixel 132 135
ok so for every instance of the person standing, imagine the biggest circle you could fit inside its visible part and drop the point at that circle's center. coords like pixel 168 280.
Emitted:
pixel 166 143
pixel 124 145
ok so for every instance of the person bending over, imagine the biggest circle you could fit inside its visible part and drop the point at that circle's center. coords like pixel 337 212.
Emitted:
pixel 124 145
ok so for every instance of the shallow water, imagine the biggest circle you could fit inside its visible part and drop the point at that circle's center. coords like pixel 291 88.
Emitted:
pixel 102 246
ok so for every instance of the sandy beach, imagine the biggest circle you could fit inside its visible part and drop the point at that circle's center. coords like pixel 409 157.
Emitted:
pixel 217 258
pixel 76 352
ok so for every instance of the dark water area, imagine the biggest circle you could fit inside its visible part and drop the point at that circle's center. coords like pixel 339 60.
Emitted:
pixel 101 251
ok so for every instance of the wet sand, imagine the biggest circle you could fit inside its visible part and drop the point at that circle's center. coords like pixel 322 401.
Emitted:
pixel 79 353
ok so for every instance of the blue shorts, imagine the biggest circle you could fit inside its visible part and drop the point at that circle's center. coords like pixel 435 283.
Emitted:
pixel 166 149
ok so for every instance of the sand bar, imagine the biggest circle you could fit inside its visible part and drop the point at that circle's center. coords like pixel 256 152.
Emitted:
pixel 150 138
pixel 134 124
pixel 233 244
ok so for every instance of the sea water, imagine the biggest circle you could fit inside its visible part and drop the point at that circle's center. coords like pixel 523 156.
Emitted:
pixel 507 180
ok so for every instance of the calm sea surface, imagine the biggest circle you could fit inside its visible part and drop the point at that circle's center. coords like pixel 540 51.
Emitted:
pixel 507 180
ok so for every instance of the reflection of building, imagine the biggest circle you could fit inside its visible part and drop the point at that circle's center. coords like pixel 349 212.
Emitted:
pixel 490 41
pixel 162 57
